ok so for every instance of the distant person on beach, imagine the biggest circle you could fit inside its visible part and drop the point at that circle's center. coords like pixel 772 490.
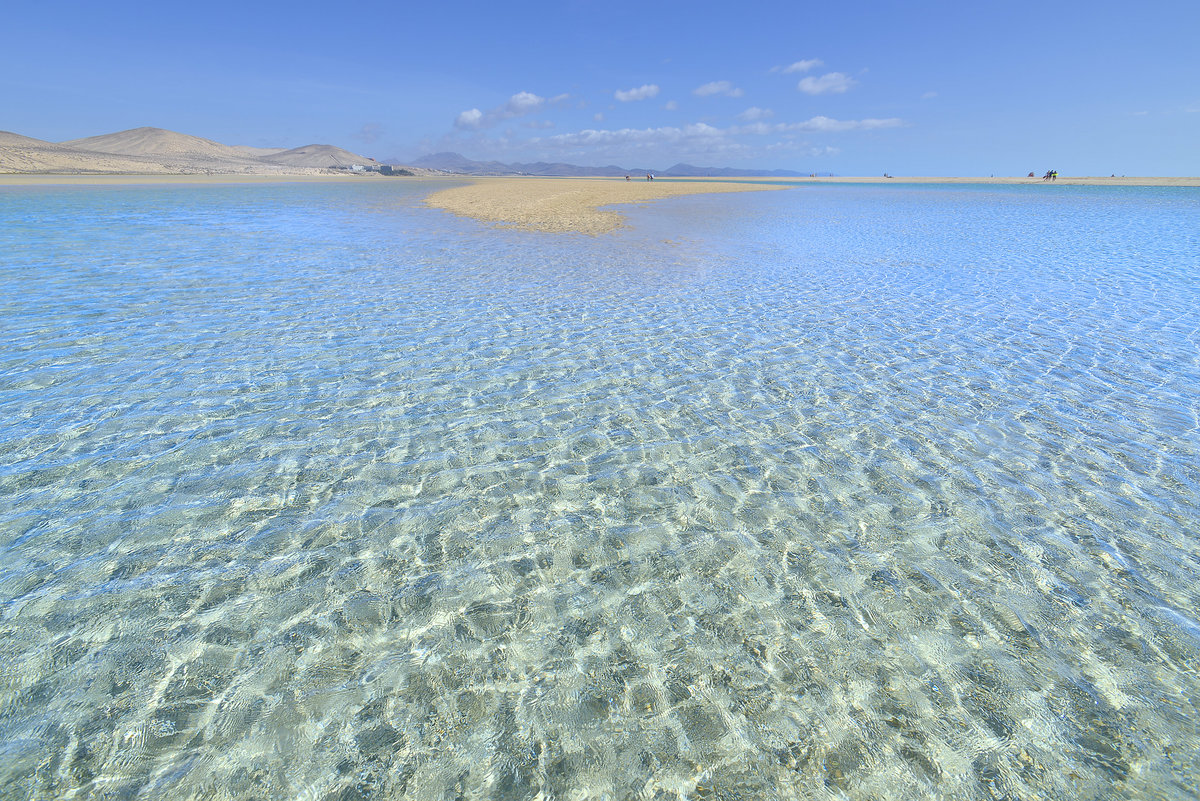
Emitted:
pixel 626 177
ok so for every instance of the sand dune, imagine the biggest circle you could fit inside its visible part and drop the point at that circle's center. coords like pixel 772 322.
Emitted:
pixel 317 156
pixel 10 139
pixel 24 154
pixel 156 142
pixel 155 151
pixel 257 152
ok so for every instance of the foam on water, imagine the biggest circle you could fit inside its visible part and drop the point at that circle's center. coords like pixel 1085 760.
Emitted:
pixel 313 492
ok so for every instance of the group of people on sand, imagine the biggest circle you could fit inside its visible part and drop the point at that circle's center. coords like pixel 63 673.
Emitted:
pixel 1051 175
pixel 649 176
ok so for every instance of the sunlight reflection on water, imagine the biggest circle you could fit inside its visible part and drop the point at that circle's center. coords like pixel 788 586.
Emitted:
pixel 310 491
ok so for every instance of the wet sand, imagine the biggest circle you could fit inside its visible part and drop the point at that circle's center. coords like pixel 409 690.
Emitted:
pixel 567 204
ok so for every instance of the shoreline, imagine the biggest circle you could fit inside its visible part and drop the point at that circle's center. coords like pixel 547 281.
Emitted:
pixel 1002 180
pixel 560 205
pixel 35 179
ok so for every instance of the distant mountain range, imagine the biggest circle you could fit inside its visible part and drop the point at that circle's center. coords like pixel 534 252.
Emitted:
pixel 461 165
pixel 154 151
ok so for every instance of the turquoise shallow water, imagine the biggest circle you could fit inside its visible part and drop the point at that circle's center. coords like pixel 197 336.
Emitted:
pixel 840 492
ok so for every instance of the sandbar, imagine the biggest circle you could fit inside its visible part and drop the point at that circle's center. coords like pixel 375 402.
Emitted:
pixel 560 205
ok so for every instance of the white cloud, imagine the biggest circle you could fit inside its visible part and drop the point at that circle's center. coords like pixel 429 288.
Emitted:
pixel 666 134
pixel 717 88
pixel 830 125
pixel 469 119
pixel 756 135
pixel 598 116
pixel 640 93
pixel 523 103
pixel 518 105
pixel 829 83
pixel 671 105
pixel 817 125
pixel 799 66
pixel 664 142
pixel 701 137
pixel 754 113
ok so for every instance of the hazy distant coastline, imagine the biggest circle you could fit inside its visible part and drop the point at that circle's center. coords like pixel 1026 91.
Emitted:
pixel 162 154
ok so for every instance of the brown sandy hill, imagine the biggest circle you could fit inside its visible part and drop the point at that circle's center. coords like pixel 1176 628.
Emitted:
pixel 250 151
pixel 317 156
pixel 10 139
pixel 155 151
pixel 24 154
pixel 156 142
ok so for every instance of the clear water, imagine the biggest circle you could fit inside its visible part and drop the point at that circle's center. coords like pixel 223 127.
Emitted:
pixel 863 492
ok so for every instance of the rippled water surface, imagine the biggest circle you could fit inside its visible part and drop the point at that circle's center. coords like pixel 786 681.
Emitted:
pixel 309 491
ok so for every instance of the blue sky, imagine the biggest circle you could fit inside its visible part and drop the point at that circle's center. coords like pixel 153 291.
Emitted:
pixel 972 87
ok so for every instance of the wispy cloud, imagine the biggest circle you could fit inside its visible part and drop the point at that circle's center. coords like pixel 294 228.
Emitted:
pixel 518 105
pixel 834 83
pixel 703 137
pixel 671 105
pixel 830 125
pixel 799 66
pixel 636 136
pixel 754 113
pixel 817 125
pixel 640 93
pixel 717 88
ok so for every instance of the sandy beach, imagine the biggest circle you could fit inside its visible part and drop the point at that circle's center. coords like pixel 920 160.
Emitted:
pixel 567 204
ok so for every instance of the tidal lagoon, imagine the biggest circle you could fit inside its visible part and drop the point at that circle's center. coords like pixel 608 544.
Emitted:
pixel 312 491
